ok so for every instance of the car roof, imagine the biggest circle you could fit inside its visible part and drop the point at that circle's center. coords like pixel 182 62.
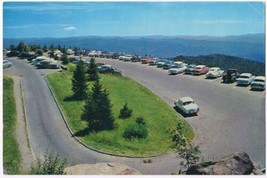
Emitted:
pixel 246 74
pixel 186 99
pixel 214 68
pixel 259 78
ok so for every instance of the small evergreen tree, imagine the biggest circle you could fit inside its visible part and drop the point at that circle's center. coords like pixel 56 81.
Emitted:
pixel 79 85
pixel 65 59
pixel 97 109
pixel 137 130
pixel 92 71
pixel 125 112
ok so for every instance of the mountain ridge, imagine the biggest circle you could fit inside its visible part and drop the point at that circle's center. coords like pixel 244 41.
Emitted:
pixel 249 46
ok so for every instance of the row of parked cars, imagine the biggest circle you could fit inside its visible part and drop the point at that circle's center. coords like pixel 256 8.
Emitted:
pixel 178 67
pixel 186 105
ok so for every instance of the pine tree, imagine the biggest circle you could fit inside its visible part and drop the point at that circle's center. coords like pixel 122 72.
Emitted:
pixel 65 59
pixel 97 109
pixel 92 71
pixel 79 85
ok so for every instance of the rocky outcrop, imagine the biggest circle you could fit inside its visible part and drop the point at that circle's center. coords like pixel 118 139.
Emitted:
pixel 101 169
pixel 235 164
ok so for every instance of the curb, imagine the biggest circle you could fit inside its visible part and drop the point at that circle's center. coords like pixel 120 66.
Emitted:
pixel 73 135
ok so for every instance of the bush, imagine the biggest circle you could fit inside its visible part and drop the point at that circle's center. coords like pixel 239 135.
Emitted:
pixel 51 165
pixel 136 130
pixel 125 112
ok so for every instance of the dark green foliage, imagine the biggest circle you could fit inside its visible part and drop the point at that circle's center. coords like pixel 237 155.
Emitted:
pixel 125 112
pixel 56 58
pixel 21 47
pixel 185 150
pixel 65 59
pixel 39 52
pixel 79 85
pixel 140 121
pixel 136 130
pixel 97 109
pixel 225 62
pixel 51 165
pixel 92 71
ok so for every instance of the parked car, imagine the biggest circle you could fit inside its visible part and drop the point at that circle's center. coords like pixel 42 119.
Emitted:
pixel 189 69
pixel 160 64
pixel 258 83
pixel 167 65
pixel 214 72
pixel 136 59
pixel 187 105
pixel 107 69
pixel 39 59
pixel 230 76
pixel 200 69
pixel 48 64
pixel 245 79
pixel 6 64
pixel 177 68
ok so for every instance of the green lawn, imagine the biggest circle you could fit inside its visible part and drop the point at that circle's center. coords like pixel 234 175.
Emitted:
pixel 159 116
pixel 11 153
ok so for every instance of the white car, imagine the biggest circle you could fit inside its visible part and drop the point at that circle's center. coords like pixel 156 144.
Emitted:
pixel 258 83
pixel 177 68
pixel 6 64
pixel 245 79
pixel 187 105
pixel 214 72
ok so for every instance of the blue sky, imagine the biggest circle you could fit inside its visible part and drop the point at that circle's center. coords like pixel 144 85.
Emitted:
pixel 66 19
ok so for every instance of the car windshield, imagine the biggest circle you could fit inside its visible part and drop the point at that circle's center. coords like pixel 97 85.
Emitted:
pixel 259 80
pixel 212 70
pixel 187 102
pixel 243 77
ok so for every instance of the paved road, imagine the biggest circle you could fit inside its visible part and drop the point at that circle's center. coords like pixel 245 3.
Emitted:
pixel 231 119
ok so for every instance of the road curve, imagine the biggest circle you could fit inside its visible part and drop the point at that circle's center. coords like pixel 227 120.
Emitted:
pixel 231 119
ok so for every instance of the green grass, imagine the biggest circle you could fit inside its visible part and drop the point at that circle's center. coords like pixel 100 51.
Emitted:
pixel 11 153
pixel 159 116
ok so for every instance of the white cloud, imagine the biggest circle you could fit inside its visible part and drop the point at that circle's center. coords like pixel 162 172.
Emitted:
pixel 70 28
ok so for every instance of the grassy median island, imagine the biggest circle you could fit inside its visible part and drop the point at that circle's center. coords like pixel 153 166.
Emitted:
pixel 159 116
pixel 11 153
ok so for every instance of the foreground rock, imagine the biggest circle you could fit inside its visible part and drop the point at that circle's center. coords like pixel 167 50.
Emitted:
pixel 234 164
pixel 101 169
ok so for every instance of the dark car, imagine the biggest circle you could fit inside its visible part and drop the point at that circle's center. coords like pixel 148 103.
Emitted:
pixel 47 65
pixel 108 69
pixel 230 76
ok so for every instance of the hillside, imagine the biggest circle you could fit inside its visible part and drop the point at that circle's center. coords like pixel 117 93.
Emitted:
pixel 225 62
pixel 251 46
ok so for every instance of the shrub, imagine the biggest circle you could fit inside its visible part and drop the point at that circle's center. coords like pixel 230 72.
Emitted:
pixel 51 165
pixel 136 130
pixel 125 112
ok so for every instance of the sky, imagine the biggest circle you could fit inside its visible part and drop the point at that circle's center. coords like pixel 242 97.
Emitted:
pixel 68 19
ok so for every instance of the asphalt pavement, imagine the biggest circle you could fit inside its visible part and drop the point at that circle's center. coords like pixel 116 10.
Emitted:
pixel 230 119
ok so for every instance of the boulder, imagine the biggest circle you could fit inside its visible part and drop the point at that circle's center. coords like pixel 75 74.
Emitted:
pixel 237 163
pixel 101 169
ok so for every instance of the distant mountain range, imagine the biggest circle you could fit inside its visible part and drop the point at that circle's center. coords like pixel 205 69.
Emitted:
pixel 251 46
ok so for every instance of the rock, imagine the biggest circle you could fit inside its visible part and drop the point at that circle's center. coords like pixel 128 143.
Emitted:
pixel 101 169
pixel 234 164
